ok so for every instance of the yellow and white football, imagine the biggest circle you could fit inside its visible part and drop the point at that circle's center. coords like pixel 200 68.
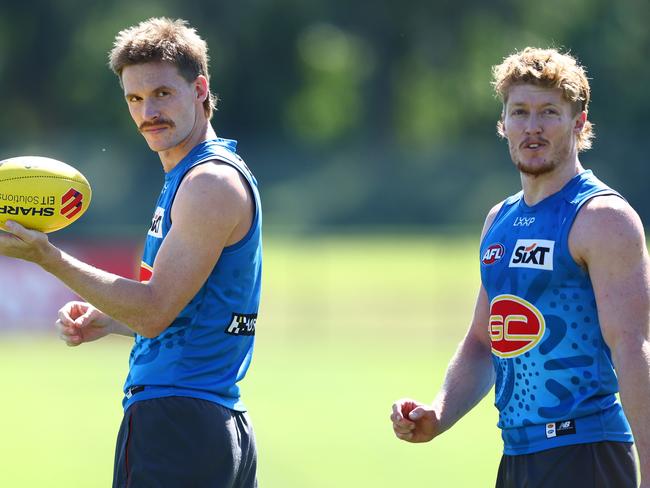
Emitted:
pixel 42 193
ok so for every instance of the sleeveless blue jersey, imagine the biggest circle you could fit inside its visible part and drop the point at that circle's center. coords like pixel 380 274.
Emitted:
pixel 207 349
pixel 555 382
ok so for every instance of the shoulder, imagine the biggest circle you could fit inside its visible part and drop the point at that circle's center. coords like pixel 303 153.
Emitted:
pixel 214 174
pixel 605 225
pixel 213 188
pixel 489 219
pixel 216 180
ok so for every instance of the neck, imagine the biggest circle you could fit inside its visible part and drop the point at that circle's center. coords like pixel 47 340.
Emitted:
pixel 538 187
pixel 171 157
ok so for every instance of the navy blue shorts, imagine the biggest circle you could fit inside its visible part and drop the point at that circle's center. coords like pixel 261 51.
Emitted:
pixel 186 443
pixel 594 465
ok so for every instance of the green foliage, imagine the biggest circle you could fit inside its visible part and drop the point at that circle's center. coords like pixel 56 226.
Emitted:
pixel 307 85
pixel 335 64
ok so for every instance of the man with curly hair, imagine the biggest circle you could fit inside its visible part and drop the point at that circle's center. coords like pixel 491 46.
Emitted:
pixel 562 319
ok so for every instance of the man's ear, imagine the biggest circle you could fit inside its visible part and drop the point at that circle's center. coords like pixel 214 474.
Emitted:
pixel 202 88
pixel 581 119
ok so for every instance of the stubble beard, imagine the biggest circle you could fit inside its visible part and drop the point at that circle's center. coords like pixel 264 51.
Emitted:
pixel 537 169
pixel 547 166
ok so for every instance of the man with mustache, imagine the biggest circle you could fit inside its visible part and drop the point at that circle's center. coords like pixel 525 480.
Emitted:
pixel 562 319
pixel 193 311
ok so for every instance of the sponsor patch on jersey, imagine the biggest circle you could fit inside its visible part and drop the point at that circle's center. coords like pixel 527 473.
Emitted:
pixel 493 253
pixel 532 253
pixel 156 223
pixel 556 429
pixel 524 221
pixel 515 326
pixel 242 324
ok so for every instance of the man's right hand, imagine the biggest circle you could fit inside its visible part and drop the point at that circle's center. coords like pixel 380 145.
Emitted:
pixel 80 322
pixel 414 421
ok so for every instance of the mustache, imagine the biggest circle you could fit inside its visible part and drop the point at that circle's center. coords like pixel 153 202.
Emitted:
pixel 533 139
pixel 156 123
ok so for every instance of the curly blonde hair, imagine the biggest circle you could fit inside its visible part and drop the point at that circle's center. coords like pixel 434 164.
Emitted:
pixel 547 68
pixel 167 40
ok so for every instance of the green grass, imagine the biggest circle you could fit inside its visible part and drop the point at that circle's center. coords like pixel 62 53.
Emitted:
pixel 347 325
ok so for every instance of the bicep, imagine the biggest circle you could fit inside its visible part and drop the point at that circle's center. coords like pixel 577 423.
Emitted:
pixel 618 267
pixel 478 329
pixel 205 213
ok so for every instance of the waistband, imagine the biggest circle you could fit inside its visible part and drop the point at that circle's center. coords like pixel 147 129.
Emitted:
pixel 609 424
pixel 139 393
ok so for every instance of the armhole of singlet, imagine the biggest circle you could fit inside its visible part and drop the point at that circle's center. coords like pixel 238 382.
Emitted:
pixel 249 184
pixel 505 204
pixel 565 233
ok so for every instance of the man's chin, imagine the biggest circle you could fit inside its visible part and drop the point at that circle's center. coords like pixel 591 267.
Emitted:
pixel 156 146
pixel 537 168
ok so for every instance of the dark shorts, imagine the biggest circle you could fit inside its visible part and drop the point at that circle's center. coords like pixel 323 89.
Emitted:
pixel 595 465
pixel 186 443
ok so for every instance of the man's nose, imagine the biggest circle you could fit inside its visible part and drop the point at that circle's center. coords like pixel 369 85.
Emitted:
pixel 533 125
pixel 150 110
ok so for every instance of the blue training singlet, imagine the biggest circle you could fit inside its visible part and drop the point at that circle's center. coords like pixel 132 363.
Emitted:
pixel 207 349
pixel 555 382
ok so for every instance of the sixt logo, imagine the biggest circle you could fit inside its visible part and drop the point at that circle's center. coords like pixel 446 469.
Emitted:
pixel 71 203
pixel 41 212
pixel 242 324
pixel 156 223
pixel 493 253
pixel 533 253
pixel 515 326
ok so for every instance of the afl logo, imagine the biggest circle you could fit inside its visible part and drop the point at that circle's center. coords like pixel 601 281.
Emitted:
pixel 516 326
pixel 493 254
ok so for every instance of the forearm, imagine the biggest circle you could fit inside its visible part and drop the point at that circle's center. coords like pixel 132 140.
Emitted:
pixel 470 376
pixel 129 303
pixel 118 328
pixel 632 360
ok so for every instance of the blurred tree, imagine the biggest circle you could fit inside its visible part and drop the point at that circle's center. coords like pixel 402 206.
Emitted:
pixel 351 114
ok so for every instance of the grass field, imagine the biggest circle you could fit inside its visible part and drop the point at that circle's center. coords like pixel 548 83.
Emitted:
pixel 348 324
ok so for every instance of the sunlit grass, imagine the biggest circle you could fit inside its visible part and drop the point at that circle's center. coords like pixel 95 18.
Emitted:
pixel 347 326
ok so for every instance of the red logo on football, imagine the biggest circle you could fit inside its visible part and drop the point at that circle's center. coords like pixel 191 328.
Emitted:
pixel 516 326
pixel 71 203
pixel 493 253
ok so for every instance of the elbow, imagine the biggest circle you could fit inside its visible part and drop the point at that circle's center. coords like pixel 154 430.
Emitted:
pixel 151 332
pixel 631 349
pixel 151 325
pixel 153 317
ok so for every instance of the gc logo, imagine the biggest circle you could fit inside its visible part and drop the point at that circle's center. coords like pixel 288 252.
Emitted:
pixel 515 326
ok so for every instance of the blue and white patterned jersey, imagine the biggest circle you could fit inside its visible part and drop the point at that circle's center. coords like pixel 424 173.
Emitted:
pixel 555 381
pixel 208 347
